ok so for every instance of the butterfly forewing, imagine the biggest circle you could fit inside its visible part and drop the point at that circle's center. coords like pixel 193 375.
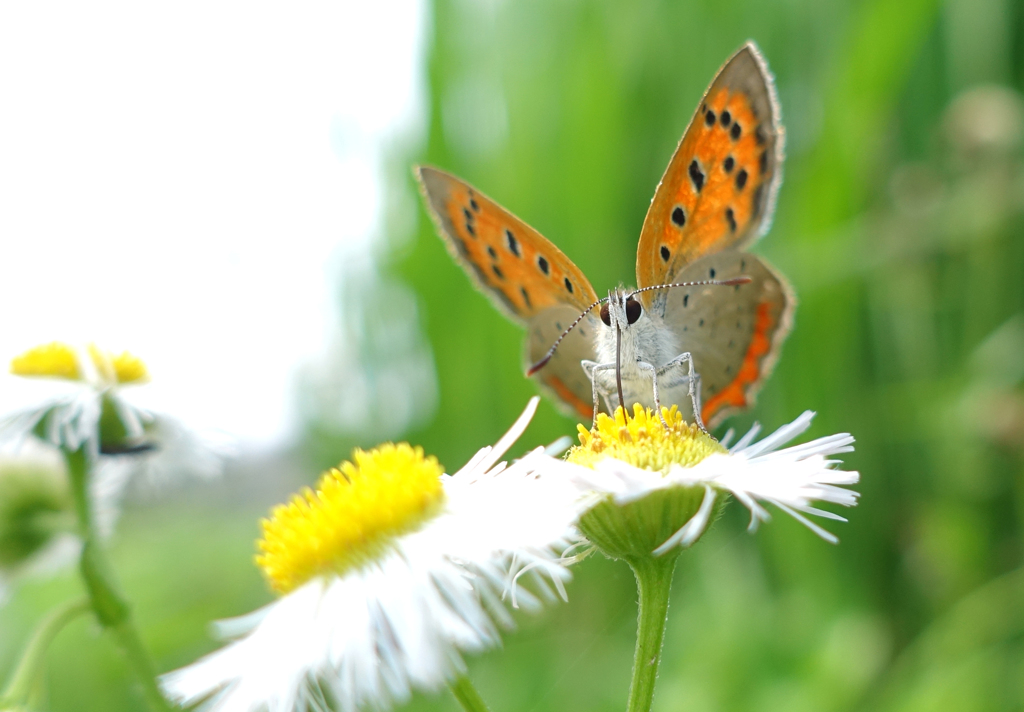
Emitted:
pixel 734 333
pixel 529 278
pixel 512 263
pixel 719 189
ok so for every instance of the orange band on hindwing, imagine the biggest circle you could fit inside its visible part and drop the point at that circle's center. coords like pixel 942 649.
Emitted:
pixel 735 394
pixel 563 392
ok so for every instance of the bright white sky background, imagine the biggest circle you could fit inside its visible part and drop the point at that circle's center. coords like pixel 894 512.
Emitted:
pixel 186 181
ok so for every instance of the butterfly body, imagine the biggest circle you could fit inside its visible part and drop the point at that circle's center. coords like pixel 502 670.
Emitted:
pixel 661 343
pixel 634 349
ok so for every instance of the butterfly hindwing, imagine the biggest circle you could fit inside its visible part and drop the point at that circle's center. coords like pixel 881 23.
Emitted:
pixel 563 376
pixel 734 333
pixel 718 191
pixel 513 264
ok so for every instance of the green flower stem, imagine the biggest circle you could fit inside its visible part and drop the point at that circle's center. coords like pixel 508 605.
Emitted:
pixel 654 582
pixel 31 664
pixel 467 695
pixel 111 608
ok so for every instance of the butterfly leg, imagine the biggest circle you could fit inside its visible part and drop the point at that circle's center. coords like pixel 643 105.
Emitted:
pixel 591 368
pixel 644 366
pixel 693 379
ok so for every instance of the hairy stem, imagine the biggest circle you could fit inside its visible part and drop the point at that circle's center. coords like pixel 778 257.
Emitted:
pixel 105 598
pixel 654 583
pixel 467 695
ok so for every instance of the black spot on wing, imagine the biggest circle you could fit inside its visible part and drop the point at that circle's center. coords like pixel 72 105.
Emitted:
pixel 497 272
pixel 679 216
pixel 492 253
pixel 730 218
pixel 741 179
pixel 665 253
pixel 526 296
pixel 568 285
pixel 736 131
pixel 728 164
pixel 696 175
pixel 513 244
pixel 543 265
pixel 709 118
pixel 725 118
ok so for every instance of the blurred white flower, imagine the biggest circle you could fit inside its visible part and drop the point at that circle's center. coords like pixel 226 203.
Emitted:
pixel 76 397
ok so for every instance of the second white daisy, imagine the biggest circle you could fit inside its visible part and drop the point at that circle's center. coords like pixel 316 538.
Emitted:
pixel 390 570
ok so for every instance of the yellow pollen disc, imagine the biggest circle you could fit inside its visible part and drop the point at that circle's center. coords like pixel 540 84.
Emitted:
pixel 118 368
pixel 643 441
pixel 355 513
pixel 55 359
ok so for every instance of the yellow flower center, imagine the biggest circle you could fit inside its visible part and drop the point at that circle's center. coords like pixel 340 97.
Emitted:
pixel 56 359
pixel 353 516
pixel 643 440
pixel 60 360
pixel 118 368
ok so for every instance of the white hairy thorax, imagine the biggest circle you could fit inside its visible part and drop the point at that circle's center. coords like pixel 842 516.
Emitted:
pixel 647 340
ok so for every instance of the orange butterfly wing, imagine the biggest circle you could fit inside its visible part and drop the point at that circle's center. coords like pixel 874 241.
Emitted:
pixel 719 189
pixel 525 275
pixel 513 264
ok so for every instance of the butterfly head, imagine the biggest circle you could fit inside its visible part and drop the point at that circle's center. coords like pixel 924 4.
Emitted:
pixel 621 309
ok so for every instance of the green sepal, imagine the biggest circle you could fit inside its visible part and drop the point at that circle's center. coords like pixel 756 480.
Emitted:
pixel 634 530
pixel 116 438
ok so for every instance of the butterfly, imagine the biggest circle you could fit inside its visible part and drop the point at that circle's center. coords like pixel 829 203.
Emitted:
pixel 670 344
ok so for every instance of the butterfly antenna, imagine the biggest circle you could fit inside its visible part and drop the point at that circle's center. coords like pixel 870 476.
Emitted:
pixel 551 352
pixel 742 279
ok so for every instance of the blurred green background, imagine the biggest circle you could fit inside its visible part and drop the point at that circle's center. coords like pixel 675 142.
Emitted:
pixel 899 223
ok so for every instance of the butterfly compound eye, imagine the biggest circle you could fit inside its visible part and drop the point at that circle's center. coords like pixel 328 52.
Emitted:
pixel 633 310
pixel 605 317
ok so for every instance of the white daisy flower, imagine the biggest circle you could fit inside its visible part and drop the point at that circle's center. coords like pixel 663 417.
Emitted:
pixel 75 397
pixel 658 488
pixel 389 571
pixel 61 399
pixel 77 400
